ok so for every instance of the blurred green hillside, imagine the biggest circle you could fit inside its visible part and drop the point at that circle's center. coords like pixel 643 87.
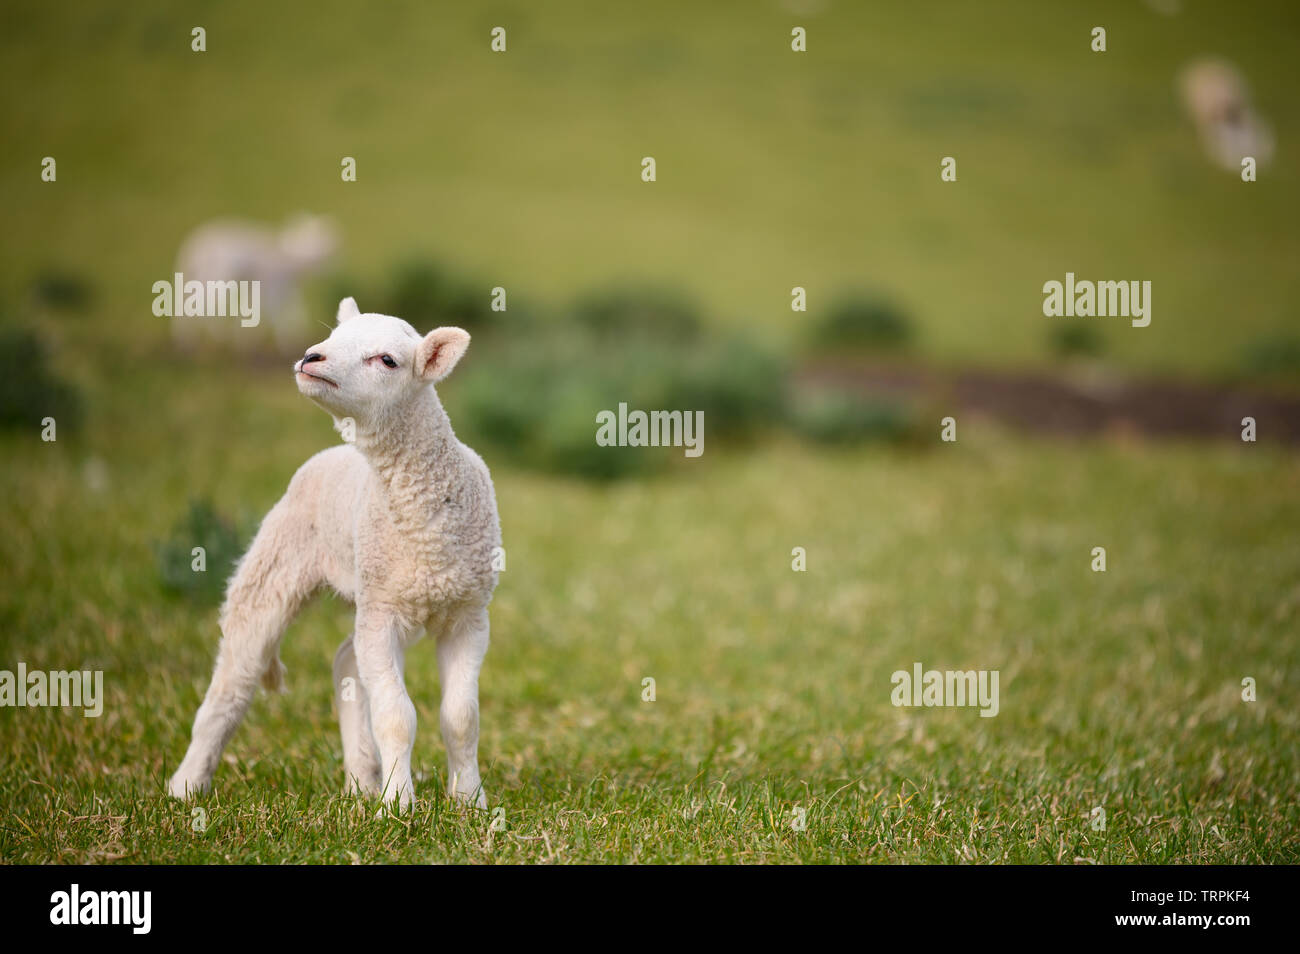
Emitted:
pixel 774 168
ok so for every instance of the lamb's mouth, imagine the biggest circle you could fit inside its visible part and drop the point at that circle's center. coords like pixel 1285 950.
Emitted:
pixel 317 377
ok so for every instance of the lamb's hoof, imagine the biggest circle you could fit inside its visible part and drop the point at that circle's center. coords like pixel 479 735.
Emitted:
pixel 184 787
pixel 357 788
pixel 395 806
pixel 475 799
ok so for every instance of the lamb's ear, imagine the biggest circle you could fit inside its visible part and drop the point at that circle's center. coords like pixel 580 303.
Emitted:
pixel 347 309
pixel 439 352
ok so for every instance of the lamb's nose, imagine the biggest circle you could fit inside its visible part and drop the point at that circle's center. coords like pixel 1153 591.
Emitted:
pixel 312 356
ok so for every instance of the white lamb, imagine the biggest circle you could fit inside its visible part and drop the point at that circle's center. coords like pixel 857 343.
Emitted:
pixel 1218 99
pixel 403 522
pixel 279 260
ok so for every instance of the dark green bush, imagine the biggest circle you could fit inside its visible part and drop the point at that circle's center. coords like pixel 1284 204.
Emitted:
pixel 637 311
pixel 536 400
pixel 418 291
pixel 1077 339
pixel 739 386
pixel 1273 355
pixel 29 390
pixel 339 285
pixel 62 289
pixel 222 542
pixel 427 296
pixel 567 434
pixel 863 322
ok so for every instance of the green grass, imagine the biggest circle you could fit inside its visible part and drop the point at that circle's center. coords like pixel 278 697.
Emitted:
pixel 1119 689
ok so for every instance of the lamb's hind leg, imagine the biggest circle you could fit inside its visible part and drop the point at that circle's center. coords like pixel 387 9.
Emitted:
pixel 274 579
pixel 360 753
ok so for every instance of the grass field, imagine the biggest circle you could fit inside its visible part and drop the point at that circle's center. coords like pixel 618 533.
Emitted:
pixel 1120 690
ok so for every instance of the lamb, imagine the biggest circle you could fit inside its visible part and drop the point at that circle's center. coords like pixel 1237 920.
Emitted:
pixel 1218 100
pixel 228 250
pixel 403 522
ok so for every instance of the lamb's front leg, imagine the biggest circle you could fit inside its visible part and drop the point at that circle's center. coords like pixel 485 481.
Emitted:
pixel 460 657
pixel 379 644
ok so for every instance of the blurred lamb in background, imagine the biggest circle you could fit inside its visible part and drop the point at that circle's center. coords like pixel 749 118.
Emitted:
pixel 231 250
pixel 1218 100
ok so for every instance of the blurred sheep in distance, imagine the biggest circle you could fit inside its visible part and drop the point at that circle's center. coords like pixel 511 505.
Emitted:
pixel 226 250
pixel 1218 100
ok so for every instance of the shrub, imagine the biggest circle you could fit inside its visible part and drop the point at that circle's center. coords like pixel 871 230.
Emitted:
pixel 1077 339
pixel 739 386
pixel 339 285
pixel 637 311
pixel 541 412
pixel 567 434
pixel 63 290
pixel 29 391
pixel 201 526
pixel 536 399
pixel 1273 355
pixel 863 322
pixel 427 296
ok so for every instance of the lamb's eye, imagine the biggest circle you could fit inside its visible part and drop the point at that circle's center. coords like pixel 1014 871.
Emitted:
pixel 388 360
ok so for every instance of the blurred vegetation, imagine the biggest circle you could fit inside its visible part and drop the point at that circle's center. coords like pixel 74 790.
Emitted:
pixel 427 296
pixel 862 322
pixel 528 396
pixel 222 541
pixel 417 289
pixel 835 417
pixel 1076 339
pixel 639 311
pixel 1274 356
pixel 30 390
pixel 62 289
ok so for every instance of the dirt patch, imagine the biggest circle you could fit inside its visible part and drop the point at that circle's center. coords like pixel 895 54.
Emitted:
pixel 1074 401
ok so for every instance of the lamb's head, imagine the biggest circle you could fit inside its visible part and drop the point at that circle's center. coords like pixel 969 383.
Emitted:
pixel 373 368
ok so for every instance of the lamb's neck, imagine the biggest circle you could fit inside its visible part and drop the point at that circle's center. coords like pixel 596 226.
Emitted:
pixel 413 453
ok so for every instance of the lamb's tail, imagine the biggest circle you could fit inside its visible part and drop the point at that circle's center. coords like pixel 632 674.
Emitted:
pixel 273 678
